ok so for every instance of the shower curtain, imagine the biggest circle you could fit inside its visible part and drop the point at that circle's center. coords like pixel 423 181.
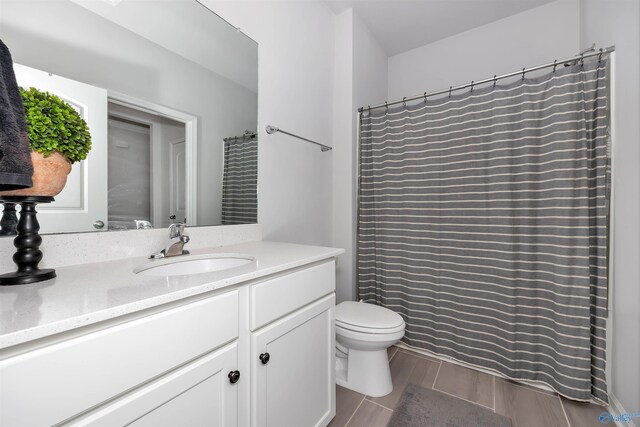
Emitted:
pixel 483 221
pixel 240 181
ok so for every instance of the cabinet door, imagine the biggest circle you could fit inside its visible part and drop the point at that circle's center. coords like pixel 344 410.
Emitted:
pixel 296 387
pixel 198 395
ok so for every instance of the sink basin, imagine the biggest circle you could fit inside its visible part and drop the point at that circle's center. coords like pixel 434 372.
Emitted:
pixel 187 265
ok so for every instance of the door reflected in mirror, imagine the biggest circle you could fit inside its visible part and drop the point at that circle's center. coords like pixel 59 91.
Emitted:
pixel 169 92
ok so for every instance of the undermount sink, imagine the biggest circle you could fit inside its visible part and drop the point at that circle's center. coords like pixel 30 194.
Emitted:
pixel 187 265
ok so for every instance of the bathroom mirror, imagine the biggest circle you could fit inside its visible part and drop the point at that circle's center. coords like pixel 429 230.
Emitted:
pixel 169 91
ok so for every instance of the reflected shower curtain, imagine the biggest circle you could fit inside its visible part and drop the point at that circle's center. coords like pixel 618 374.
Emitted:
pixel 483 221
pixel 240 181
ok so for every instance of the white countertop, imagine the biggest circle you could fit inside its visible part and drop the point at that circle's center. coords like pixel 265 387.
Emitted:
pixel 89 293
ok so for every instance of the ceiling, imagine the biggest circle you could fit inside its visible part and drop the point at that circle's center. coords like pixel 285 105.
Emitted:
pixel 401 25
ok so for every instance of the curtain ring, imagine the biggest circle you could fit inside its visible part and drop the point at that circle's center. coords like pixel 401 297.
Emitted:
pixel 600 56
pixel 450 88
pixel 404 102
pixel 369 109
pixel 425 97
pixel 582 59
pixel 523 73
pixel 494 80
pixel 472 86
pixel 555 64
pixel 386 105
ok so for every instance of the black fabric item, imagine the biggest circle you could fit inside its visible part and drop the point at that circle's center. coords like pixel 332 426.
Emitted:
pixel 420 407
pixel 16 167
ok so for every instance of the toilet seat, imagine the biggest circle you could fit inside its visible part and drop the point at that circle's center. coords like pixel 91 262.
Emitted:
pixel 368 318
pixel 372 331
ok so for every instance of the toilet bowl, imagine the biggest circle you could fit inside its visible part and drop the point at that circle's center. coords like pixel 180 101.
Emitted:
pixel 363 334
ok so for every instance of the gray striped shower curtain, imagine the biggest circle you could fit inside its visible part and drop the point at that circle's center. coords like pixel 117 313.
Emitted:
pixel 240 181
pixel 483 221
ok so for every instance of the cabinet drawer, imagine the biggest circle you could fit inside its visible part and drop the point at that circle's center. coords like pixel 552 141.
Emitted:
pixel 67 378
pixel 275 298
pixel 198 394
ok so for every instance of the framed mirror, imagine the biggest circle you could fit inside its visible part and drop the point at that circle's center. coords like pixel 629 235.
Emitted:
pixel 169 91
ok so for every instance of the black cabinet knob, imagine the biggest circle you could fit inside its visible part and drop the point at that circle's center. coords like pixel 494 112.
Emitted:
pixel 234 376
pixel 264 358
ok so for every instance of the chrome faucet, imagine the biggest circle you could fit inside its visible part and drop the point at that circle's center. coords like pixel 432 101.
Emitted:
pixel 175 244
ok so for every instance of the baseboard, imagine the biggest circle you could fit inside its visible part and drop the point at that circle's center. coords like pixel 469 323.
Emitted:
pixel 616 408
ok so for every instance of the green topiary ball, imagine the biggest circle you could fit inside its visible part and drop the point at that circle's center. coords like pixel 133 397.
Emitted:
pixel 54 125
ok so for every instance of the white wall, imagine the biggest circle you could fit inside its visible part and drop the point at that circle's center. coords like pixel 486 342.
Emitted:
pixel 527 39
pixel 62 250
pixel 295 62
pixel 617 23
pixel 85 47
pixel 369 87
pixel 360 79
pixel 343 164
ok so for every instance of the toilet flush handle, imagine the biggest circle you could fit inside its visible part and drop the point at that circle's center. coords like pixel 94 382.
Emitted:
pixel 264 358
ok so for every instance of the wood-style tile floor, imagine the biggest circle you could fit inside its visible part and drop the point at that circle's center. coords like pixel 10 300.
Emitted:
pixel 526 406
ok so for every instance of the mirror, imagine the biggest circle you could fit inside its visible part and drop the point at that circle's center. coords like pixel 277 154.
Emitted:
pixel 169 91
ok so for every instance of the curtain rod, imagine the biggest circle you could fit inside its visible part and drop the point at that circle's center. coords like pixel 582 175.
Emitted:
pixel 243 137
pixel 522 72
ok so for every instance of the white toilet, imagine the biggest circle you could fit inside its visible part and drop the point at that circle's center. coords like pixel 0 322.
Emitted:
pixel 363 334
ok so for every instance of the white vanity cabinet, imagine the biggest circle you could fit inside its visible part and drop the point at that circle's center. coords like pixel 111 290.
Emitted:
pixel 194 362
pixel 293 363
pixel 55 383
pixel 199 394
pixel 293 369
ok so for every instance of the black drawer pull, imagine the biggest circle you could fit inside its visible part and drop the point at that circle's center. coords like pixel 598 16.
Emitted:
pixel 264 358
pixel 234 376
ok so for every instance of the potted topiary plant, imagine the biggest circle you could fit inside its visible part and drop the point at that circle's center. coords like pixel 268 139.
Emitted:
pixel 58 137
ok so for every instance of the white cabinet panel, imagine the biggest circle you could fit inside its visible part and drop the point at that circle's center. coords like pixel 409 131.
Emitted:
pixel 296 387
pixel 67 378
pixel 278 297
pixel 199 394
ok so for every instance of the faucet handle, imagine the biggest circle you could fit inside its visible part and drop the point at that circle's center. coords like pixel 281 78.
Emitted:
pixel 176 229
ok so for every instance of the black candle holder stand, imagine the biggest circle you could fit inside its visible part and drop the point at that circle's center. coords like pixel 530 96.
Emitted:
pixel 9 220
pixel 27 242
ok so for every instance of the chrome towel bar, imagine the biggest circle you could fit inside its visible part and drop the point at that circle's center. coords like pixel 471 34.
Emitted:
pixel 273 129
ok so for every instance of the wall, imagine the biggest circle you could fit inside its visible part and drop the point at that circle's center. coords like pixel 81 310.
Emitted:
pixel 295 83
pixel 143 70
pixel 523 40
pixel 295 62
pixel 617 23
pixel 62 250
pixel 360 79
pixel 343 164
pixel 369 87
